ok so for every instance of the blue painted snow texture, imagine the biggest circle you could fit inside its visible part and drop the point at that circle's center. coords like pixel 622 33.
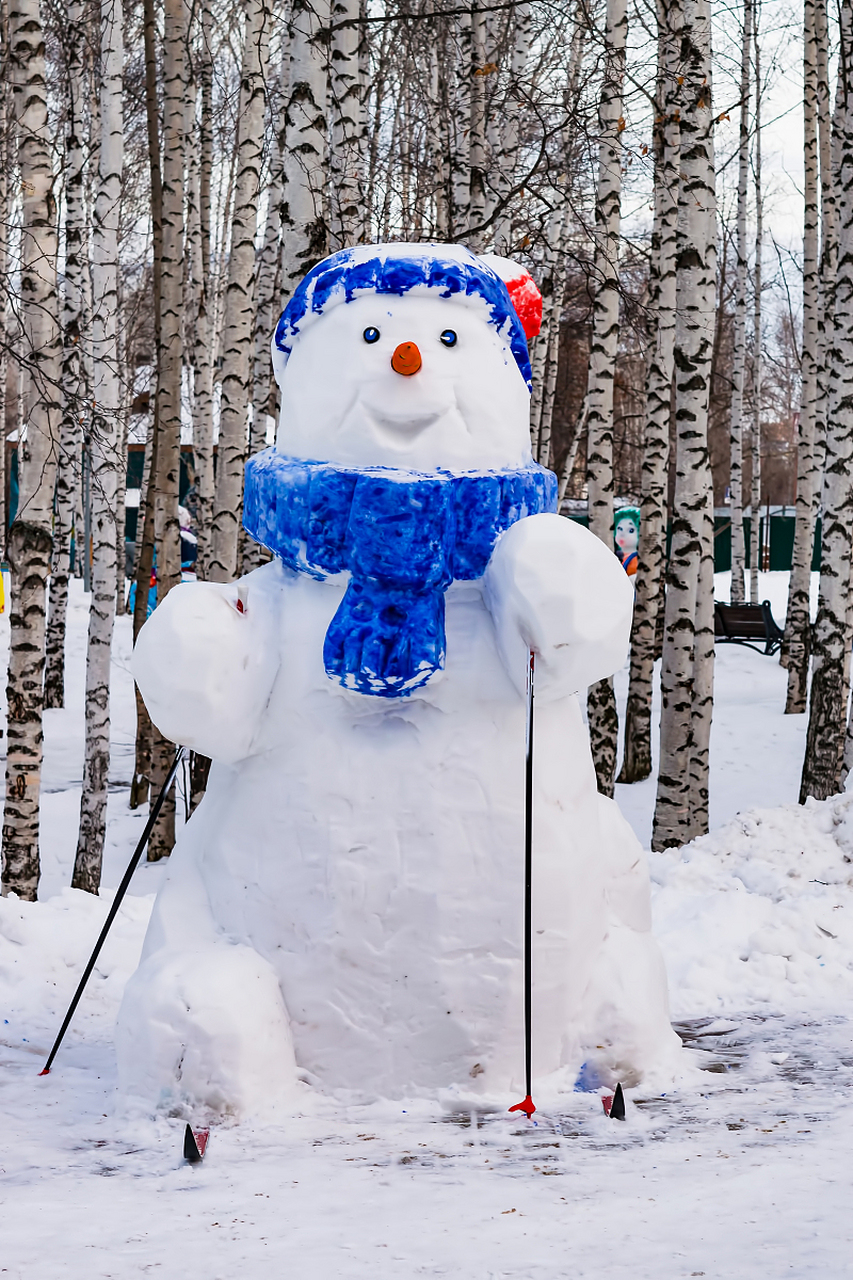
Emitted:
pixel 341 275
pixel 403 536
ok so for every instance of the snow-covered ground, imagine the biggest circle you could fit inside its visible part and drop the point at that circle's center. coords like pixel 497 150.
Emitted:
pixel 756 923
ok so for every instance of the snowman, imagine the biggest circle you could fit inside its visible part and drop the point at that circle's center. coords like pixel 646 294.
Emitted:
pixel 344 910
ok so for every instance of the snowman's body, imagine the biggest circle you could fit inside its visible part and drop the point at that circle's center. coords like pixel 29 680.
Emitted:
pixel 346 905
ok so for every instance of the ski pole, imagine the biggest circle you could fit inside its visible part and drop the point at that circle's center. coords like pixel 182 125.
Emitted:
pixel 527 1105
pixel 113 911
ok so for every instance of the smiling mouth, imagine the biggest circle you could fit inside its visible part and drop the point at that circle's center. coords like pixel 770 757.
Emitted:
pixel 406 423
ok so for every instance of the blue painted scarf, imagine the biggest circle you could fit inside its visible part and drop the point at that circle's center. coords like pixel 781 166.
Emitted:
pixel 404 536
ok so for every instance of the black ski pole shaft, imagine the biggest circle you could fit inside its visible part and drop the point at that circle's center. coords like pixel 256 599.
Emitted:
pixel 528 886
pixel 113 911
pixel 527 1105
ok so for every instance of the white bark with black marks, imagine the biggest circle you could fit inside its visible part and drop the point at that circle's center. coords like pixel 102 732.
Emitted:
pixel 505 162
pixel 203 355
pixel 461 92
pixel 755 428
pixel 266 315
pixel 637 752
pixel 688 650
pixel 304 149
pixel 30 541
pixel 822 766
pixel 240 297
pixel 601 701
pixel 739 324
pixel 170 360
pixel 797 644
pixel 346 168
pixel 107 450
pixel 477 131
pixel 74 398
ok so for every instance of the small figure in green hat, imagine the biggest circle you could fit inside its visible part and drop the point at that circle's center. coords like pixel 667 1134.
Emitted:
pixel 627 536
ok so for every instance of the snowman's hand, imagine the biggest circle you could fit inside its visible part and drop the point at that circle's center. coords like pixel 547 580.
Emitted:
pixel 205 662
pixel 553 587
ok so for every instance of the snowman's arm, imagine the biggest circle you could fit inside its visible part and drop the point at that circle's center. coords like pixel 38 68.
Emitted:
pixel 553 587
pixel 205 662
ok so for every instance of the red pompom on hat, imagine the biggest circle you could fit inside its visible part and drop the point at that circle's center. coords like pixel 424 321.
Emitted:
pixel 522 289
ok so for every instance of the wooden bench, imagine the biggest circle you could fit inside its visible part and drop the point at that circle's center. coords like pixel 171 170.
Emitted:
pixel 749 624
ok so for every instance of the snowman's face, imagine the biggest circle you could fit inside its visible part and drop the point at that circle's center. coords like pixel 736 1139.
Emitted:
pixel 465 407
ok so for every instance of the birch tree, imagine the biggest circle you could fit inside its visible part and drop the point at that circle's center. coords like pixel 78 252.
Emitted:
pixel 821 776
pixel 73 334
pixel 304 149
pixel 240 296
pixel 688 652
pixel 797 645
pixel 511 124
pixel 346 132
pixel 5 93
pixel 461 95
pixel 30 541
pixel 637 753
pixel 169 366
pixel 739 341
pixel 203 347
pixel 477 130
pixel 601 701
pixel 144 559
pixel 755 433
pixel 107 452
pixel 265 317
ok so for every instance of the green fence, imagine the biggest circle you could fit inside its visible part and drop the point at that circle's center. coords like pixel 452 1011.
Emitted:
pixel 781 542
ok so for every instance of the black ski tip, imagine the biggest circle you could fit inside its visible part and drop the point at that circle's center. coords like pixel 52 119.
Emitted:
pixel 617 1106
pixel 195 1142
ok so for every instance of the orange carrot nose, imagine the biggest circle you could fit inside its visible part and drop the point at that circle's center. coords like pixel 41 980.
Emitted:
pixel 406 359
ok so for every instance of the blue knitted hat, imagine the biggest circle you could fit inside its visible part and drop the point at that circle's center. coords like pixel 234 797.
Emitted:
pixel 446 271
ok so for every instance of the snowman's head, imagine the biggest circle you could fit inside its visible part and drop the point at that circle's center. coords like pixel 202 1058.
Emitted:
pixel 405 356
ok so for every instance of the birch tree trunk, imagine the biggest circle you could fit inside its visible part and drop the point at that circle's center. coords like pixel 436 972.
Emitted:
pixel 546 349
pixel 541 345
pixel 240 298
pixel 346 160
pixel 637 753
pixel 107 451
pixel 5 94
pixel 142 767
pixel 167 535
pixel 460 124
pixel 755 433
pixel 601 701
pixel 687 667
pixel 739 335
pixel 266 315
pixel 167 525
pixel 510 131
pixel 477 131
pixel 73 386
pixel 822 765
pixel 552 355
pixel 30 541
pixel 829 244
pixel 204 334
pixel 797 645
pixel 304 149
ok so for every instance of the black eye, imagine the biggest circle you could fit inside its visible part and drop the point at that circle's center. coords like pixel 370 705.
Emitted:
pixel 371 335
pixel 448 337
